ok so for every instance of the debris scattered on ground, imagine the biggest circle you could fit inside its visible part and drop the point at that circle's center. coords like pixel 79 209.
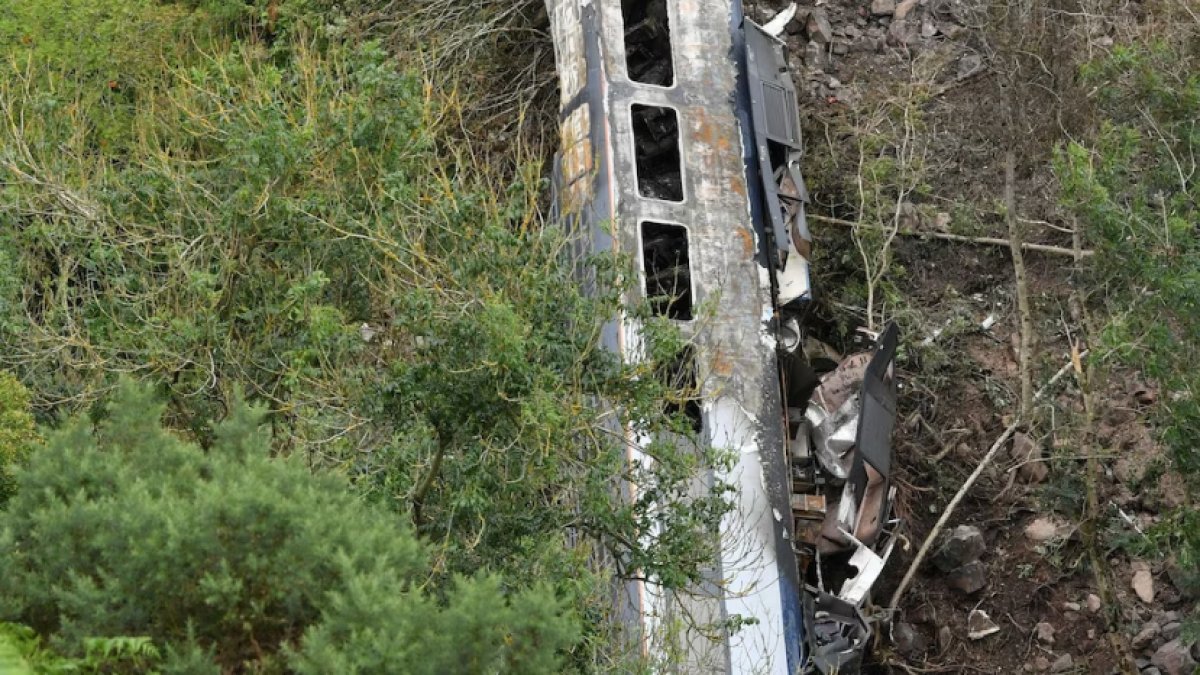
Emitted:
pixel 857 54
pixel 980 625
pixel 1045 633
pixel 1045 529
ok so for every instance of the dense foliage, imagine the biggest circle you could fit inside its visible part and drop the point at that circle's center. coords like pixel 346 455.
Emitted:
pixel 231 558
pixel 17 433
pixel 227 196
pixel 1136 194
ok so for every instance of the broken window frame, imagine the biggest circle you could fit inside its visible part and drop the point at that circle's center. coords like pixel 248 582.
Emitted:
pixel 638 171
pixel 688 296
pixel 627 30
pixel 682 377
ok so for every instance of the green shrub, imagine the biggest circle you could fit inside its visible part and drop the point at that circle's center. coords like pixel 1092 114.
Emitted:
pixel 1135 192
pixel 1139 205
pixel 17 432
pixel 284 210
pixel 124 529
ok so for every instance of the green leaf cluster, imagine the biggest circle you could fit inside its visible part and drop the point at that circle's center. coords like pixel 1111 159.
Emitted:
pixel 277 206
pixel 18 436
pixel 229 559
pixel 1138 201
pixel 1136 194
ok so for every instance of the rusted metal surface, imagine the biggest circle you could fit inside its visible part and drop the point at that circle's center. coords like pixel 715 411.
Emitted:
pixel 756 576
pixel 741 201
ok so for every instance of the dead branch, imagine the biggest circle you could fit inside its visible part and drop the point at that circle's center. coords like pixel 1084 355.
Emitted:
pixel 1015 238
pixel 987 241
pixel 966 487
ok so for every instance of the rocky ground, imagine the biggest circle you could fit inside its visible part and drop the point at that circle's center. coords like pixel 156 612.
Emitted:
pixel 1011 587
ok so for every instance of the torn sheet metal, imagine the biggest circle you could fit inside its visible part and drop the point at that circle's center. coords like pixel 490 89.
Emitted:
pixel 776 123
pixel 838 634
pixel 775 26
pixel 846 438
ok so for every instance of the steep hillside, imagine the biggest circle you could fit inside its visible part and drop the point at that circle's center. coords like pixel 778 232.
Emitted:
pixel 940 132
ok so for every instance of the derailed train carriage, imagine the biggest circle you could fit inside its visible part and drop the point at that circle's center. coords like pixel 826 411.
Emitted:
pixel 681 146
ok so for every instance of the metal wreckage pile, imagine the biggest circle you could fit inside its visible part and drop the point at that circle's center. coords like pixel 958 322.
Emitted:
pixel 841 455
pixel 840 411
pixel 650 147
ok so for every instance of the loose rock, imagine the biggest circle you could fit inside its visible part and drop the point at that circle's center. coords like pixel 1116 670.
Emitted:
pixel 1143 582
pixel 945 638
pixel 928 28
pixel 1044 529
pixel 796 25
pixel 902 32
pixel 1174 658
pixel 907 640
pixel 904 8
pixel 1045 633
pixel 1093 603
pixel 883 7
pixel 980 625
pixel 1028 455
pixel 819 28
pixel 1146 636
pixel 1062 664
pixel 960 546
pixel 969 578
pixel 814 56
pixel 968 64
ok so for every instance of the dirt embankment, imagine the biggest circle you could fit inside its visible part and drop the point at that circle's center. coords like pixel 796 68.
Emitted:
pixel 908 117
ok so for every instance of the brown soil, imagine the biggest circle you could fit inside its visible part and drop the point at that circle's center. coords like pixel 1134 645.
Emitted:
pixel 959 394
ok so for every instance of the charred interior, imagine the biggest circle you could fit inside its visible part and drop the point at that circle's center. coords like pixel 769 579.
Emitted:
pixel 668 270
pixel 648 42
pixel 657 153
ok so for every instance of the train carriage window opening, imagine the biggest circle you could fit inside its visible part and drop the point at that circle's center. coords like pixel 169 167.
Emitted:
pixel 681 379
pixel 668 270
pixel 657 152
pixel 648 42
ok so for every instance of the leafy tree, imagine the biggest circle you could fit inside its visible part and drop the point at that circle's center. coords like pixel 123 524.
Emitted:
pixel 231 558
